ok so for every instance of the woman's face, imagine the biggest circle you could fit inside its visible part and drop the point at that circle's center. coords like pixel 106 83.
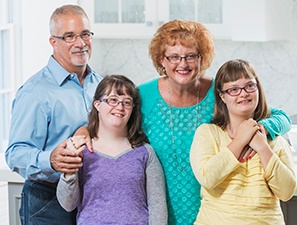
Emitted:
pixel 183 72
pixel 246 98
pixel 114 110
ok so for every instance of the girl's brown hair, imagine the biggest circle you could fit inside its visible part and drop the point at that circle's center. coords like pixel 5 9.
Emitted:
pixel 120 85
pixel 231 71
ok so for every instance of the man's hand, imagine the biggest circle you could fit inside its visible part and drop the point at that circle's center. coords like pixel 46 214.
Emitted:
pixel 67 157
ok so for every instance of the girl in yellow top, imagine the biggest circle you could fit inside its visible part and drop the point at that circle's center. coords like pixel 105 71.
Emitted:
pixel 235 192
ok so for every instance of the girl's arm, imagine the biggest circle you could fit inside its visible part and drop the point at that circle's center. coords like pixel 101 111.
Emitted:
pixel 68 193
pixel 212 162
pixel 279 173
pixel 156 191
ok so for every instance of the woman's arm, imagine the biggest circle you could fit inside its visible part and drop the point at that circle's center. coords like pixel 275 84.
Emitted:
pixel 277 124
pixel 156 191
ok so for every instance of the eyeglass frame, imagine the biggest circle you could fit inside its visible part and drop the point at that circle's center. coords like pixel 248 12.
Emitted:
pixel 91 34
pixel 241 88
pixel 197 56
pixel 118 102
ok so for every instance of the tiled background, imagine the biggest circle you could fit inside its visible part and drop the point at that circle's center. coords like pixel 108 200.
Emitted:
pixel 275 62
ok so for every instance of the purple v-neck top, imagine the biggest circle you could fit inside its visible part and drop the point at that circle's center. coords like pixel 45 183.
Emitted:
pixel 126 189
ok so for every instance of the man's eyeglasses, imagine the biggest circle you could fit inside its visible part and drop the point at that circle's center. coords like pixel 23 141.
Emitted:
pixel 69 38
pixel 176 59
pixel 235 91
pixel 113 101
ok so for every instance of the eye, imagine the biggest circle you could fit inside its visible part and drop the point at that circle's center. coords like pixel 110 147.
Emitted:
pixel 69 36
pixel 233 90
pixel 127 102
pixel 86 34
pixel 175 57
pixel 190 57
pixel 251 86
pixel 113 100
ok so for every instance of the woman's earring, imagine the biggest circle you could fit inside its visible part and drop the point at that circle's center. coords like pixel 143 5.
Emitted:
pixel 162 71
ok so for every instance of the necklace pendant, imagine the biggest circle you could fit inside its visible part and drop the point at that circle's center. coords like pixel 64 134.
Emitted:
pixel 183 169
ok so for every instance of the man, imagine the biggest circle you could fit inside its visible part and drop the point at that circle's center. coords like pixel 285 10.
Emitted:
pixel 47 110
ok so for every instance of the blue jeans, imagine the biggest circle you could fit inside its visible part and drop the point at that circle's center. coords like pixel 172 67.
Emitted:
pixel 39 206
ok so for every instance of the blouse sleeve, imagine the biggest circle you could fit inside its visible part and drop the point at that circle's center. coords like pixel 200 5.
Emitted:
pixel 279 172
pixel 68 193
pixel 210 162
pixel 277 124
pixel 156 192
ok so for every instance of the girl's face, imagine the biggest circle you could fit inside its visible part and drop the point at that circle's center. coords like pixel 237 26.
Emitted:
pixel 241 97
pixel 183 72
pixel 114 110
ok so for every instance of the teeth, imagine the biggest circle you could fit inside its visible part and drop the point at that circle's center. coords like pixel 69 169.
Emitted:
pixel 244 101
pixel 118 115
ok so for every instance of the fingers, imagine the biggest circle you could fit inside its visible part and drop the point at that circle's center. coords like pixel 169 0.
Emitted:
pixel 84 140
pixel 252 154
pixel 76 145
pixel 247 153
pixel 63 159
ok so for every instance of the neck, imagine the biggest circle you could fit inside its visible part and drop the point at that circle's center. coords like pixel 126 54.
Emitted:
pixel 81 73
pixel 112 133
pixel 183 96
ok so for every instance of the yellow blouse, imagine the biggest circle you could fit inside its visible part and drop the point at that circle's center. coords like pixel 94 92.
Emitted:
pixel 240 193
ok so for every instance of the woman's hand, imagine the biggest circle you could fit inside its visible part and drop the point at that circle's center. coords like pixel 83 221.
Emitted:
pixel 83 132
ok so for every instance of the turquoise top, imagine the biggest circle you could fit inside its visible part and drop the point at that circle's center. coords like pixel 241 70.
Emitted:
pixel 183 190
pixel 170 131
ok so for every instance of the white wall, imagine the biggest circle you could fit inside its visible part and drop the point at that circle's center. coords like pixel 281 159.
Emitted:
pixel 36 48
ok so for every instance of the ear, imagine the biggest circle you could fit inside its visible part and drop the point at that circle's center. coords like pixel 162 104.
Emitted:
pixel 96 104
pixel 52 41
pixel 222 96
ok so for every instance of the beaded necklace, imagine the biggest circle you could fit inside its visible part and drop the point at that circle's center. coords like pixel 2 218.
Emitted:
pixel 182 169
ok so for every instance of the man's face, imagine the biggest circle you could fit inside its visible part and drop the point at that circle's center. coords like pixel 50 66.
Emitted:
pixel 75 54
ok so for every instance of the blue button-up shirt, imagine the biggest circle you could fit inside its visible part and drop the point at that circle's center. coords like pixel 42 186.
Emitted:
pixel 47 109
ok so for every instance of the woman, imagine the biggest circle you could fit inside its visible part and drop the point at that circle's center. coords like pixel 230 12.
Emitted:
pixel 178 102
pixel 122 182
pixel 234 192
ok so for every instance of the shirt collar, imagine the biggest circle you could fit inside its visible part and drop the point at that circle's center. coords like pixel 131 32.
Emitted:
pixel 60 74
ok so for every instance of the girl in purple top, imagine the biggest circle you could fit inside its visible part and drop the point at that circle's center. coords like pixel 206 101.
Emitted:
pixel 122 182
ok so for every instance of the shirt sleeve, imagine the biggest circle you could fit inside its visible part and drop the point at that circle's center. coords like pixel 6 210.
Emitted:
pixel 277 124
pixel 68 192
pixel 156 192
pixel 210 162
pixel 279 172
pixel 28 133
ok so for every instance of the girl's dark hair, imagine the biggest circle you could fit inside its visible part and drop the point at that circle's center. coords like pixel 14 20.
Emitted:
pixel 231 71
pixel 120 85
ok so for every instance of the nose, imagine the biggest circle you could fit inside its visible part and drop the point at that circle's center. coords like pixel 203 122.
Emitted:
pixel 121 104
pixel 243 92
pixel 79 41
pixel 183 60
